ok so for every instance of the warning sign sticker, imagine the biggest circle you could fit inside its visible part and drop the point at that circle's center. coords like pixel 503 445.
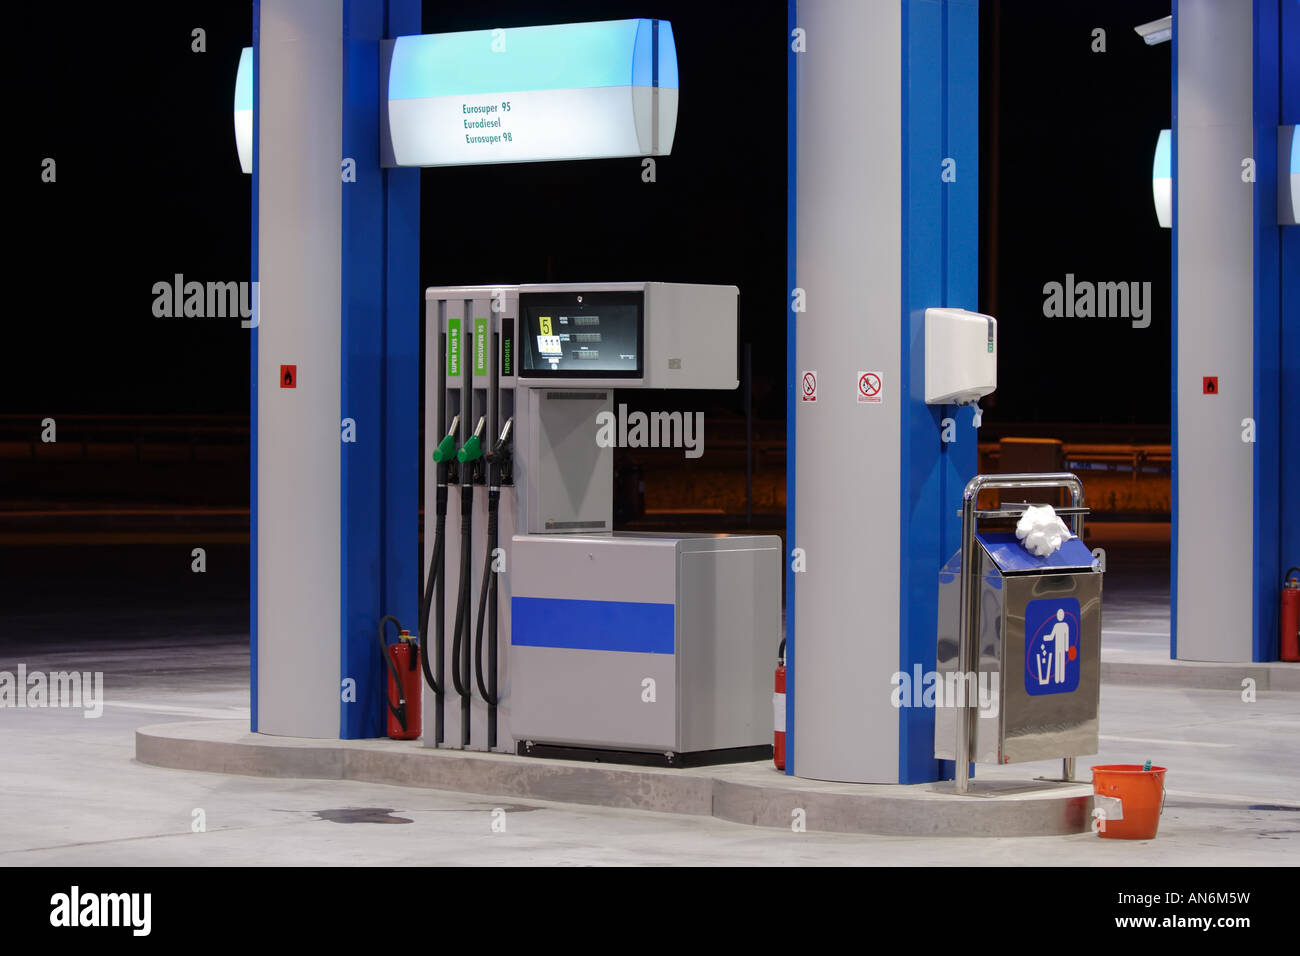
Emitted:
pixel 871 388
pixel 808 387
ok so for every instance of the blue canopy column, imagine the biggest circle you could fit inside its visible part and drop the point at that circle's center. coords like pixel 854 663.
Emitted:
pixel 335 369
pixel 1236 346
pixel 1288 86
pixel 884 200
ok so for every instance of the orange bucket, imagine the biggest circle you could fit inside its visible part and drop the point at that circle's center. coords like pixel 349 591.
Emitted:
pixel 1142 796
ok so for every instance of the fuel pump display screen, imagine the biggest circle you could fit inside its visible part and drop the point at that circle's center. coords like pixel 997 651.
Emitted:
pixel 581 334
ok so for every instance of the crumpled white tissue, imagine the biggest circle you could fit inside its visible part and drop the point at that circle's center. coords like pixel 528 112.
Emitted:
pixel 1041 531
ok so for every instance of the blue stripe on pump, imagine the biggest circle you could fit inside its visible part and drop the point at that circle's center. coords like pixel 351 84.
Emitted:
pixel 592 625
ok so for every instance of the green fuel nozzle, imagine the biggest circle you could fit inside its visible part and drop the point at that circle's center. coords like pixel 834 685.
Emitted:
pixel 472 450
pixel 446 449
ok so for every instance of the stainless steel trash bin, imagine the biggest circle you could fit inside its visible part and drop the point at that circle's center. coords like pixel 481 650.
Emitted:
pixel 1030 642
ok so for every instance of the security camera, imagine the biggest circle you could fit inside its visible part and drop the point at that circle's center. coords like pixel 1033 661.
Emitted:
pixel 1157 31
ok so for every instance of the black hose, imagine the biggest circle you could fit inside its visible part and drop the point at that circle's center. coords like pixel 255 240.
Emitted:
pixel 495 458
pixel 1287 577
pixel 478 631
pixel 492 628
pixel 457 627
pixel 487 594
pixel 467 590
pixel 400 710
pixel 431 581
pixel 460 647
pixel 440 620
pixel 425 605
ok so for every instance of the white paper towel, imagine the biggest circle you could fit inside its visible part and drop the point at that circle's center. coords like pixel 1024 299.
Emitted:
pixel 1041 531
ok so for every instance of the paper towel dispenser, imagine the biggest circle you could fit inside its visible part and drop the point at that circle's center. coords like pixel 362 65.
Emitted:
pixel 961 356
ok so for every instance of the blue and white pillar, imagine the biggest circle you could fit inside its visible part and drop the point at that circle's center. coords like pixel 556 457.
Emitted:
pixel 1236 341
pixel 335 369
pixel 884 208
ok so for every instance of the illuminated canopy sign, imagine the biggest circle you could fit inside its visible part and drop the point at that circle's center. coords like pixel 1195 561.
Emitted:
pixel 1288 175
pixel 1295 174
pixel 1162 183
pixel 570 91
pixel 244 109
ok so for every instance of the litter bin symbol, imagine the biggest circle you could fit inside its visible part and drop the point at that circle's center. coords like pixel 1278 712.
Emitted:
pixel 1052 634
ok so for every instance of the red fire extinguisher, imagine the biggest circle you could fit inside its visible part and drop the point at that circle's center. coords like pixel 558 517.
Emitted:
pixel 778 713
pixel 404 699
pixel 1289 644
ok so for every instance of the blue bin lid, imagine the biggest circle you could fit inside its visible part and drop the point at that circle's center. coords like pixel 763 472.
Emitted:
pixel 1011 557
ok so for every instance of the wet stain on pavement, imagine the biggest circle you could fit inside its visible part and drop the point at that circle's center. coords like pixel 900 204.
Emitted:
pixel 361 815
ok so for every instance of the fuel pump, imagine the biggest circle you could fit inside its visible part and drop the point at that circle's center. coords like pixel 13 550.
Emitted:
pixel 469 344
pixel 642 646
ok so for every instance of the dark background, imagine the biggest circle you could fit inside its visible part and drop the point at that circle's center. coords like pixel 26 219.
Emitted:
pixel 149 185
pixel 152 461
pixel 1067 139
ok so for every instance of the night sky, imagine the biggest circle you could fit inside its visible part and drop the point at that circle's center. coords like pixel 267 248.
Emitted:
pixel 148 185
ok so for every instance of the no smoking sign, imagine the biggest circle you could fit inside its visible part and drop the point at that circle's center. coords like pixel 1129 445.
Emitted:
pixel 808 387
pixel 871 388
